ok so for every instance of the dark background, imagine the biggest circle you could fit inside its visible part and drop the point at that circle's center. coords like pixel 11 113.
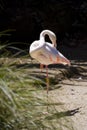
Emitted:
pixel 66 18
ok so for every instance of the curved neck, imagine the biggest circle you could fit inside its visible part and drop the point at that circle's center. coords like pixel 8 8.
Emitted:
pixel 51 35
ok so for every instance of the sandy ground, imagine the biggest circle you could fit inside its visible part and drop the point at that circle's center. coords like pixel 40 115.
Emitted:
pixel 73 94
pixel 70 84
pixel 73 91
pixel 69 87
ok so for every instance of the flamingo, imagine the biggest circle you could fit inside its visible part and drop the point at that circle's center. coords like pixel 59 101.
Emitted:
pixel 46 53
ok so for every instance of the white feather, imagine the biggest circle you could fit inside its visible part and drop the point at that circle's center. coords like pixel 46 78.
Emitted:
pixel 46 53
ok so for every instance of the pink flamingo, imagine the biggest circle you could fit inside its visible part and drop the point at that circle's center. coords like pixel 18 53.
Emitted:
pixel 46 53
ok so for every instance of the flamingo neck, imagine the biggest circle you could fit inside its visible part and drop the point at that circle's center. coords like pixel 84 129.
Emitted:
pixel 42 39
pixel 51 35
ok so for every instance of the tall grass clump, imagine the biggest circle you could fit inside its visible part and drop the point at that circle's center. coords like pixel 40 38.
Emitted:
pixel 24 105
pixel 7 106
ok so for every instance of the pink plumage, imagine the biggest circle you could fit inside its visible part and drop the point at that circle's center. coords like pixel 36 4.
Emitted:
pixel 46 53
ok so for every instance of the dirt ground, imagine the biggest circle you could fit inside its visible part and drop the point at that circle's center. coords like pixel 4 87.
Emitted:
pixel 70 88
pixel 73 94
pixel 74 91
pixel 68 84
pixel 73 85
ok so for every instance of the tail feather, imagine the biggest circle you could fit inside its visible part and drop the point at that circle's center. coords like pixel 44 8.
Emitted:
pixel 64 61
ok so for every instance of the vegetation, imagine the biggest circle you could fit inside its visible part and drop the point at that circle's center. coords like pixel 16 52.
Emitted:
pixel 24 104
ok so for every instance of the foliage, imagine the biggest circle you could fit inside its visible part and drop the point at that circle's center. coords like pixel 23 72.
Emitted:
pixel 24 104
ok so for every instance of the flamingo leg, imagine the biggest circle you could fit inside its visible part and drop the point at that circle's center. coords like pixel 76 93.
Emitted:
pixel 47 79
pixel 41 67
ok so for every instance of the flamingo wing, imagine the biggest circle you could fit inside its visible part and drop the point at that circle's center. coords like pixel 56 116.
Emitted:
pixel 48 54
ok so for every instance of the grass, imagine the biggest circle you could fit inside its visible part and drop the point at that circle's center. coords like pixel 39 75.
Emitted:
pixel 24 104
